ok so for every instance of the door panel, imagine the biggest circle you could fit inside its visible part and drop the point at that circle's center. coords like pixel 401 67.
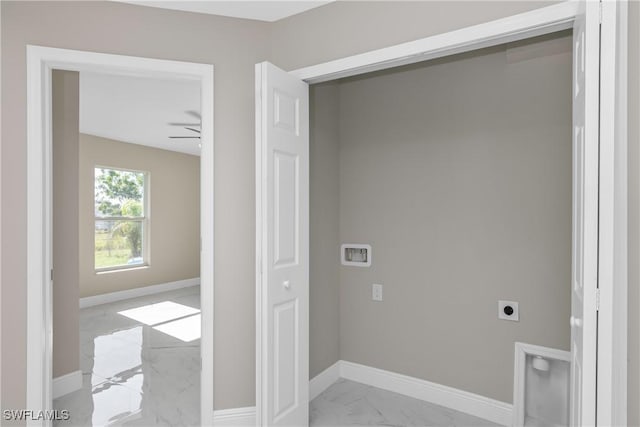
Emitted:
pixel 285 358
pixel 282 184
pixel 584 275
pixel 286 207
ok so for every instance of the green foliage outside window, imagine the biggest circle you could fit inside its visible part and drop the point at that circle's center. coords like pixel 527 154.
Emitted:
pixel 119 212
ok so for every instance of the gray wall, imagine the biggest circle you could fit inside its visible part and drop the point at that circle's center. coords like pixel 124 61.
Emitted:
pixel 324 228
pixel 345 28
pixel 65 112
pixel 233 46
pixel 303 40
pixel 458 174
pixel 174 212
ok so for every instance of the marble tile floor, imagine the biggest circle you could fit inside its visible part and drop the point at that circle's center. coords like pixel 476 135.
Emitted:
pixel 140 363
pixel 348 403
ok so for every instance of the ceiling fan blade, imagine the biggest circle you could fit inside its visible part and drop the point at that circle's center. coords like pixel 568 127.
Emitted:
pixel 193 113
pixel 183 124
pixel 192 129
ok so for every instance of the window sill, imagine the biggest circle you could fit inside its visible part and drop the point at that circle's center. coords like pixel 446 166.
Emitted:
pixel 121 269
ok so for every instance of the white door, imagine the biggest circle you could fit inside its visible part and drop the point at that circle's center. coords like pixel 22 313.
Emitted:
pixel 584 280
pixel 282 187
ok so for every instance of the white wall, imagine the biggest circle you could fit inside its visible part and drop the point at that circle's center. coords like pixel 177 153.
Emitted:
pixel 633 373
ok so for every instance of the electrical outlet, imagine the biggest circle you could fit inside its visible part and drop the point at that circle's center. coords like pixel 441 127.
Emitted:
pixel 376 292
pixel 508 310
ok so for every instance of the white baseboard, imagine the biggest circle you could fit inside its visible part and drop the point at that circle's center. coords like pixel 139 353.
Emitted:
pixel 323 380
pixel 449 397
pixel 137 292
pixel 67 383
pixel 235 417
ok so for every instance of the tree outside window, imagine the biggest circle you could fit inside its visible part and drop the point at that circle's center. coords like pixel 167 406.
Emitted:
pixel 120 218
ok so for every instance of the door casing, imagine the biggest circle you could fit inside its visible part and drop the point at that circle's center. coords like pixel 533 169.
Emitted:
pixel 41 61
pixel 612 226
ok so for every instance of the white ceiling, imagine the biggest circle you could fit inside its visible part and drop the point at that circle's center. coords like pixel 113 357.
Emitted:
pixel 139 110
pixel 261 10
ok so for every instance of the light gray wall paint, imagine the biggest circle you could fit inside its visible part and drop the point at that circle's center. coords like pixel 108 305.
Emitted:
pixel 174 214
pixel 233 46
pixel 303 40
pixel 633 374
pixel 323 228
pixel 65 289
pixel 458 174
pixel 346 28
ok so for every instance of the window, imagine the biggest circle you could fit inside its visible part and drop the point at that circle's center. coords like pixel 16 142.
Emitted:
pixel 121 219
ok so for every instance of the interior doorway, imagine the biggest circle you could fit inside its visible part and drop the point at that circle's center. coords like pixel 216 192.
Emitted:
pixel 41 62
pixel 126 242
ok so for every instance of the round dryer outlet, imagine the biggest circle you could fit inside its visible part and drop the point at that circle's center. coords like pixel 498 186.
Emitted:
pixel 508 310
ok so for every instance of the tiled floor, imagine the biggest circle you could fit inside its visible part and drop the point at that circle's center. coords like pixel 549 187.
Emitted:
pixel 347 403
pixel 139 360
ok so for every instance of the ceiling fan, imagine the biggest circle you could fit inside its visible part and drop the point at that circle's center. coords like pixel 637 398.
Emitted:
pixel 193 127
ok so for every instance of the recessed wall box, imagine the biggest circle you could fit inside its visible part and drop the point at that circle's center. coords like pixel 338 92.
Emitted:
pixel 355 254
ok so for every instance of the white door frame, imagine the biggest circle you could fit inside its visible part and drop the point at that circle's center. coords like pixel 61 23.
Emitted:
pixel 612 333
pixel 612 224
pixel 41 61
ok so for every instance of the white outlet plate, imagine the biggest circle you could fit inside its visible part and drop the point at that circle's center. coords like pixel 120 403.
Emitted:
pixel 515 316
pixel 376 292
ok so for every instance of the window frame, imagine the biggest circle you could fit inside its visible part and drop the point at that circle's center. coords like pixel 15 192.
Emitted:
pixel 146 246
